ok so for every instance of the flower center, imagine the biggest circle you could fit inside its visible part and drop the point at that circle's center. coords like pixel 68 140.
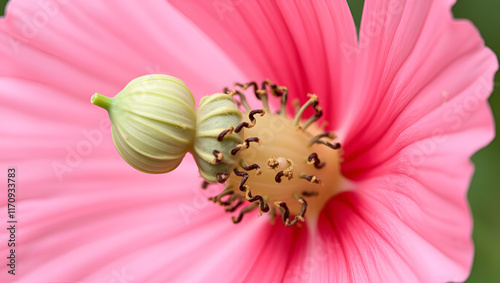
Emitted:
pixel 285 165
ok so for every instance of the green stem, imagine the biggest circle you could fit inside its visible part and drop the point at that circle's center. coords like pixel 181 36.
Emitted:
pixel 101 100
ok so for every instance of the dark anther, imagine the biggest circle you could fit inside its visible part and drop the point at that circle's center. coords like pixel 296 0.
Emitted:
pixel 303 210
pixel 235 150
pixel 243 212
pixel 247 85
pixel 225 90
pixel 261 94
pixel 332 146
pixel 263 207
pixel 285 212
pixel 254 166
pixel 251 167
pixel 204 184
pixel 252 120
pixel 317 139
pixel 262 112
pixel 218 198
pixel 310 178
pixel 241 126
pixel 224 133
pixel 313 159
pixel 329 135
pixel 244 178
pixel 246 144
pixel 234 207
pixel 222 177
pixel 309 193
pixel 278 176
pixel 252 139
pixel 218 156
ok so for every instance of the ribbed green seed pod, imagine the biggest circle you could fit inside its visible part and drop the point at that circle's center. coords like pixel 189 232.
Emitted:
pixel 152 122
pixel 216 113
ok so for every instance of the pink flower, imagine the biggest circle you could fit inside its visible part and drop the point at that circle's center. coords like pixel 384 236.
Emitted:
pixel 408 102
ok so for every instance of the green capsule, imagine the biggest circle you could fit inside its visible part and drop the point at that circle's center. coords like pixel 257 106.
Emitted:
pixel 153 122
pixel 216 114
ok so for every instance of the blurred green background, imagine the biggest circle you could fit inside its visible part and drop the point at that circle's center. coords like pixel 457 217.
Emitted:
pixel 484 194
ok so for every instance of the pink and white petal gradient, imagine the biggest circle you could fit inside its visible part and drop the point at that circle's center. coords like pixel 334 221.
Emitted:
pixel 408 101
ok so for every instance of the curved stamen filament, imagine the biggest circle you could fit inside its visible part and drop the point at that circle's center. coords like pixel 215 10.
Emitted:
pixel 261 94
pixel 245 145
pixel 314 118
pixel 228 131
pixel 242 98
pixel 285 212
pixel 217 157
pixel 244 178
pixel 254 166
pixel 263 207
pixel 244 211
pixel 314 159
pixel 234 207
pixel 253 121
pixel 313 100
pixel 318 139
pixel 310 178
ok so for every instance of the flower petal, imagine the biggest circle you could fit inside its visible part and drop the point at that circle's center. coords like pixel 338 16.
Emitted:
pixel 101 46
pixel 391 231
pixel 297 44
pixel 421 74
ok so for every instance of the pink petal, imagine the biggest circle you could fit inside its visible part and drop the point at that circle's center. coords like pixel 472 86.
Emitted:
pixel 296 44
pixel 392 232
pixel 81 49
pixel 82 210
pixel 415 70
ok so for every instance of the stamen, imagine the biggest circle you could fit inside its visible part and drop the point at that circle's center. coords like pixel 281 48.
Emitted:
pixel 234 207
pixel 309 193
pixel 313 159
pixel 317 139
pixel 218 198
pixel 253 121
pixel 261 112
pixel 261 94
pixel 242 98
pixel 217 157
pixel 314 118
pixel 251 167
pixel 280 91
pixel 222 177
pixel 278 177
pixel 244 211
pixel 285 212
pixel 263 207
pixel 313 100
pixel 310 178
pixel 287 172
pixel 244 145
pixel 244 178
pixel 228 131
pixel 332 146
